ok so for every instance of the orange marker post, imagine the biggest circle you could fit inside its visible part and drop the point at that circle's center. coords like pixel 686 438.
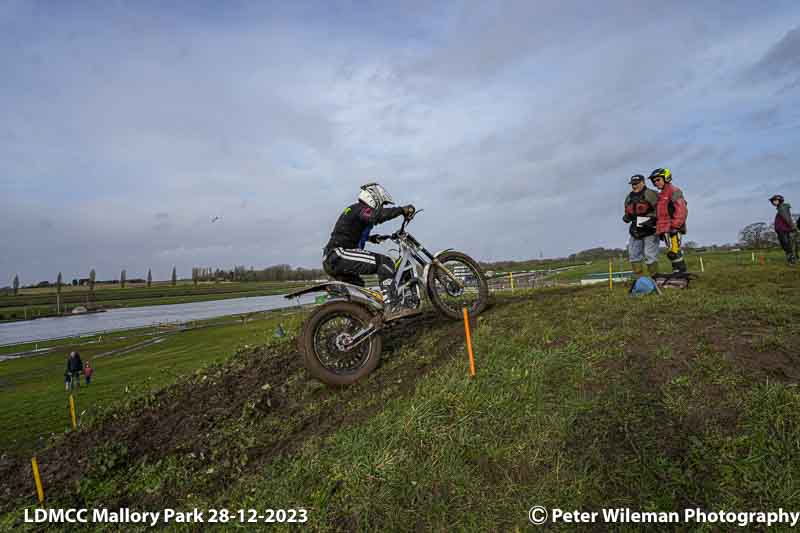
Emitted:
pixel 469 344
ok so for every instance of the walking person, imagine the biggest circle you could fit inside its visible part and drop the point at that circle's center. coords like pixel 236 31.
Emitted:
pixel 74 368
pixel 640 213
pixel 785 227
pixel 671 213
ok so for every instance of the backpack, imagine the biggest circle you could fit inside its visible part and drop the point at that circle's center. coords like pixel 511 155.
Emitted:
pixel 644 285
pixel 675 280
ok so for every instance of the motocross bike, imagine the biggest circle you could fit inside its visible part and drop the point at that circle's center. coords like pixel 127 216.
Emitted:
pixel 341 340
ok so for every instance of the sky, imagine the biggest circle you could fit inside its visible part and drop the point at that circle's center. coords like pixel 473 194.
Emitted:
pixel 126 127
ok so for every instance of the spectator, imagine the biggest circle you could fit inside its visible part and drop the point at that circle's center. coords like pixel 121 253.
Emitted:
pixel 87 372
pixel 74 368
pixel 640 213
pixel 671 213
pixel 785 227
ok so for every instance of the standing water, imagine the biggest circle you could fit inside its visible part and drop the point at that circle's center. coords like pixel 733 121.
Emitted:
pixel 137 317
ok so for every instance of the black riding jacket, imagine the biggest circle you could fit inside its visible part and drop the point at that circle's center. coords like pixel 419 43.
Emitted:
pixel 355 223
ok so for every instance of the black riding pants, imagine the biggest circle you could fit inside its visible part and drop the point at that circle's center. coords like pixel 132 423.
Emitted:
pixel 349 264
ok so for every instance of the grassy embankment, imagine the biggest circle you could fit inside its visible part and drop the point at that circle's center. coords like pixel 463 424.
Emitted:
pixel 127 365
pixel 32 303
pixel 585 398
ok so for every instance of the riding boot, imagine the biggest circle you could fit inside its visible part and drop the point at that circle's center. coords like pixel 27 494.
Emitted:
pixel 389 293
pixel 679 266
pixel 652 269
pixel 392 307
pixel 636 266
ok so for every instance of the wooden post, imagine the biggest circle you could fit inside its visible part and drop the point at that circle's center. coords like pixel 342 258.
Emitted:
pixel 610 278
pixel 511 277
pixel 702 268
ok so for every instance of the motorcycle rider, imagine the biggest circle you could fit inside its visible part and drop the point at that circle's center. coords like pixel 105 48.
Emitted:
pixel 344 257
pixel 785 227
pixel 640 212
pixel 671 213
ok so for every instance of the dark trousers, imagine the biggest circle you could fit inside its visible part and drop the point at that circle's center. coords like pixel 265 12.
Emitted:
pixel 788 244
pixel 349 265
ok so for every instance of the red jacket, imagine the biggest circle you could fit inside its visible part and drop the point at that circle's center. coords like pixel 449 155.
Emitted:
pixel 671 210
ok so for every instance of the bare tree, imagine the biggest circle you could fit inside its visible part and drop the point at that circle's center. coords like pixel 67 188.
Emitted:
pixel 122 278
pixel 174 277
pixel 16 284
pixel 92 277
pixel 757 235
pixel 149 278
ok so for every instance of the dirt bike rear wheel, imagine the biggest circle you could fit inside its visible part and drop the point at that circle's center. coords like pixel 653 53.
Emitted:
pixel 322 339
pixel 447 296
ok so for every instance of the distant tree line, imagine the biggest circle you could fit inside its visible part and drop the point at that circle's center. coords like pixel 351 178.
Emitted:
pixel 758 235
pixel 271 273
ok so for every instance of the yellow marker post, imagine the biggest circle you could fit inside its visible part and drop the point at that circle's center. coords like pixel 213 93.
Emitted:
pixel 511 277
pixel 72 412
pixel 469 343
pixel 702 268
pixel 610 270
pixel 37 479
pixel 753 257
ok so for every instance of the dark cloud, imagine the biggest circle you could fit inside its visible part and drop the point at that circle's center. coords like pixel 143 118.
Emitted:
pixel 782 59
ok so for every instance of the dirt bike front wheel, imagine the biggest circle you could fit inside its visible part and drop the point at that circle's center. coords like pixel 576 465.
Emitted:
pixel 450 297
pixel 324 342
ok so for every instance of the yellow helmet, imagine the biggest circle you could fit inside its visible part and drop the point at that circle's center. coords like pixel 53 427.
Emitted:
pixel 661 173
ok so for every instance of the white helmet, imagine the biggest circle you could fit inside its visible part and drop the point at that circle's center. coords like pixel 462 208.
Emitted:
pixel 374 195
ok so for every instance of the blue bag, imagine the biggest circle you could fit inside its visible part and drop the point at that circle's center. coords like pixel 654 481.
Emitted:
pixel 644 285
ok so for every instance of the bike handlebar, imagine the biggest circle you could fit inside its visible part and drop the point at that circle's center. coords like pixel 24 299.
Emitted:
pixel 396 234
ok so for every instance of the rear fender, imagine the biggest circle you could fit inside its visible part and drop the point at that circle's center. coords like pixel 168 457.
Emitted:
pixel 339 290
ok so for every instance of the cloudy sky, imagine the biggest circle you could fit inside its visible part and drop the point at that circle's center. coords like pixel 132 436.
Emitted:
pixel 126 126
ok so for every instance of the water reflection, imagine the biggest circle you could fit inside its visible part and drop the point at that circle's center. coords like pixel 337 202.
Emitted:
pixel 136 317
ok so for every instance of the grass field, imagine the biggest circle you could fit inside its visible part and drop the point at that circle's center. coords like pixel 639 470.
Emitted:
pixel 33 386
pixel 585 398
